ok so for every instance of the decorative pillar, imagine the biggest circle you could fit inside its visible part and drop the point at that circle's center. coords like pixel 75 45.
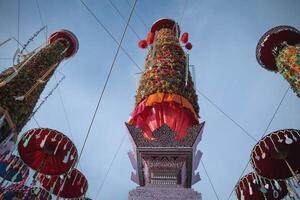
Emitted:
pixel 22 85
pixel 164 128
pixel 278 50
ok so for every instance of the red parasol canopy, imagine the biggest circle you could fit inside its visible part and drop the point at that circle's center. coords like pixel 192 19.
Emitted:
pixel 276 155
pixel 271 39
pixel 74 185
pixel 65 35
pixel 253 187
pixel 47 151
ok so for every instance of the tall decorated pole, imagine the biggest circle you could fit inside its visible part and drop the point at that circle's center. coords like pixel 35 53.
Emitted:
pixel 22 85
pixel 279 51
pixel 164 127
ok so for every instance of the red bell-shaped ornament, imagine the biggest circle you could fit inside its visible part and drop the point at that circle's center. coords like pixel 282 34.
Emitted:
pixel 188 46
pixel 150 37
pixel 143 44
pixel 185 37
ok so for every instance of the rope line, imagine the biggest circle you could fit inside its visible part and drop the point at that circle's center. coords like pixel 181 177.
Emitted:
pixel 124 19
pixel 40 13
pixel 209 179
pixel 41 17
pixel 183 12
pixel 107 78
pixel 139 17
pixel 66 116
pixel 230 118
pixel 18 35
pixel 110 34
pixel 110 166
pixel 268 126
pixel 37 123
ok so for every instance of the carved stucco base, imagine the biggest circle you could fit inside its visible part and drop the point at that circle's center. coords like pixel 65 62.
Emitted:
pixel 163 193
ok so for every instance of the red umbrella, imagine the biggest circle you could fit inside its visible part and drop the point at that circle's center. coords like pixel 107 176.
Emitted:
pixel 272 39
pixel 254 187
pixel 74 185
pixel 47 151
pixel 276 156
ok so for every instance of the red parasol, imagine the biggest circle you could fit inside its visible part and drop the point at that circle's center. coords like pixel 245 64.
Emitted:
pixel 276 155
pixel 47 151
pixel 272 39
pixel 74 185
pixel 253 187
pixel 68 38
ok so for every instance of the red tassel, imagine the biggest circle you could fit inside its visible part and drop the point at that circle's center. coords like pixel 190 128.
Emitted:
pixel 150 38
pixel 188 46
pixel 185 37
pixel 143 44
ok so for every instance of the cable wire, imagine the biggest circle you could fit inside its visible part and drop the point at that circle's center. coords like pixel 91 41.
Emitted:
pixel 40 13
pixel 107 78
pixel 110 166
pixel 41 17
pixel 266 130
pixel 230 118
pixel 138 16
pixel 66 115
pixel 209 179
pixel 18 35
pixel 124 19
pixel 109 33
pixel 183 12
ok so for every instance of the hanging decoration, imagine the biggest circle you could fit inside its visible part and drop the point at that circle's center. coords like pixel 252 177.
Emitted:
pixel 188 46
pixel 47 151
pixel 166 84
pixel 278 50
pixel 24 193
pixel 276 156
pixel 254 187
pixel 12 171
pixel 72 185
pixel 21 85
pixel 143 44
pixel 150 38
pixel 7 145
pixel 185 37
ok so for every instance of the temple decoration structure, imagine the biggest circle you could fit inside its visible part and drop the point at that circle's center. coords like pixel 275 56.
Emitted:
pixel 278 50
pixel 164 127
pixel 22 85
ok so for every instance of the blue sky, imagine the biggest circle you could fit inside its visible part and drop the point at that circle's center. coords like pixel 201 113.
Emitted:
pixel 224 36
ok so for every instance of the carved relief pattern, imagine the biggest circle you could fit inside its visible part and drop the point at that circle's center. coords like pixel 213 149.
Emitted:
pixel 164 137
pixel 158 193
pixel 164 162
